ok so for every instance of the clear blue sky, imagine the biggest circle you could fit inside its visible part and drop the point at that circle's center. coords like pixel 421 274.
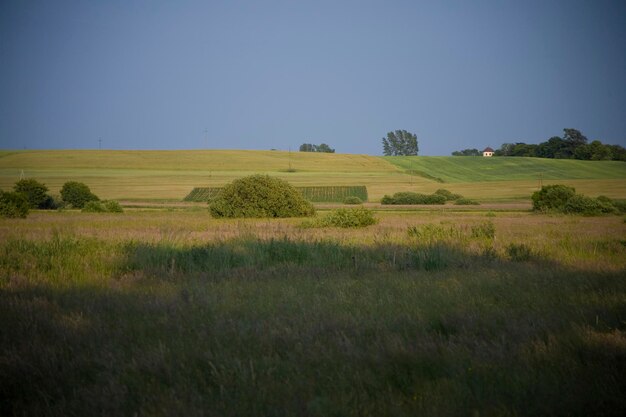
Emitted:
pixel 275 74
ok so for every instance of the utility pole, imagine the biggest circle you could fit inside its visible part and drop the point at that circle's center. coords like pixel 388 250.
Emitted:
pixel 99 143
pixel 206 137
pixel 290 159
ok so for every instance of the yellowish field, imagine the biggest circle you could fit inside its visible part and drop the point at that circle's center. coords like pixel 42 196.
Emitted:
pixel 162 175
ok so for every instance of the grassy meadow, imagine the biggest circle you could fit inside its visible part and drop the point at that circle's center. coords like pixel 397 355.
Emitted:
pixel 487 310
pixel 160 313
pixel 171 175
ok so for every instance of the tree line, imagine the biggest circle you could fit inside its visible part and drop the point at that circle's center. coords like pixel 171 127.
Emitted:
pixel 573 145
pixel 396 143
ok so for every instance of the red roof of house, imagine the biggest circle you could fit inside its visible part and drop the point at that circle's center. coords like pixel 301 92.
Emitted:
pixel 488 149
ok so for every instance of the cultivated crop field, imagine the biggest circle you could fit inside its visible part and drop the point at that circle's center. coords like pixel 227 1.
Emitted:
pixel 171 175
pixel 425 313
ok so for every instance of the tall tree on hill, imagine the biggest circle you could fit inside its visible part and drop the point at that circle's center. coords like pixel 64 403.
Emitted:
pixel 400 143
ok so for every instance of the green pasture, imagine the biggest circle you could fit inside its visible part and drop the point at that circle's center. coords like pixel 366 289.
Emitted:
pixel 171 175
pixel 451 169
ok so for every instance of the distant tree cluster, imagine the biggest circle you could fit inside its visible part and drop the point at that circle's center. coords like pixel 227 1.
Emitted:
pixel 322 147
pixel 31 194
pixel 400 143
pixel 467 152
pixel 573 145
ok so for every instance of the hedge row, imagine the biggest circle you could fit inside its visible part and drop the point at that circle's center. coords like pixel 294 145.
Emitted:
pixel 321 194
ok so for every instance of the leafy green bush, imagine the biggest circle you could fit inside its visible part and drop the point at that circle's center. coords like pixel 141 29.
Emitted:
pixel 346 218
pixel 407 197
pixel 107 206
pixel 466 202
pixel 581 204
pixel 552 197
pixel 53 202
pixel 77 194
pixel 352 200
pixel 94 207
pixel 260 196
pixel 620 205
pixel 563 199
pixel 387 199
pixel 13 205
pixel 113 206
pixel 449 195
pixel 33 191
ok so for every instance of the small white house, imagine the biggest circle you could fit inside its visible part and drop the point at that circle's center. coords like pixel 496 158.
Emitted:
pixel 488 152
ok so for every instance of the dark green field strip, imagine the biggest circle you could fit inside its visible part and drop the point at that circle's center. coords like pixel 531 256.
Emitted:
pixel 477 169
pixel 321 194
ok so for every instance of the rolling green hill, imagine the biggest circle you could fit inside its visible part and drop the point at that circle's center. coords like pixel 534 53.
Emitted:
pixel 455 169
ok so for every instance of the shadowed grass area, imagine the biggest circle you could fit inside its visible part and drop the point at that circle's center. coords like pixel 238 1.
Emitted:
pixel 439 322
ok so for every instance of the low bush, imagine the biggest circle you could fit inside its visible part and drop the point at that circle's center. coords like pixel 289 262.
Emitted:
pixel 581 204
pixel 260 196
pixel 620 205
pixel 113 206
pixel 77 194
pixel 94 207
pixel 352 200
pixel 13 205
pixel 449 195
pixel 466 202
pixel 109 206
pixel 346 218
pixel 407 197
pixel 33 191
pixel 563 199
pixel 552 197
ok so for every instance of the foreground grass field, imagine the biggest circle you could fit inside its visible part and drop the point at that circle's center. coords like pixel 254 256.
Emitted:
pixel 171 175
pixel 434 314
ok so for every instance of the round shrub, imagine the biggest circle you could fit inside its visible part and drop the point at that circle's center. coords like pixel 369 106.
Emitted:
pixel 113 206
pixel 434 199
pixel 387 199
pixel 77 194
pixel 358 217
pixel 581 204
pixel 352 200
pixel 13 205
pixel 94 207
pixel 552 197
pixel 33 191
pixel 346 218
pixel 109 206
pixel 407 197
pixel 450 196
pixel 260 196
